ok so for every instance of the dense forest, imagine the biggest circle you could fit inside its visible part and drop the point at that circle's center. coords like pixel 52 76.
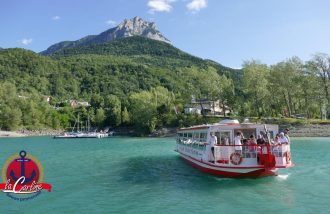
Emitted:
pixel 138 82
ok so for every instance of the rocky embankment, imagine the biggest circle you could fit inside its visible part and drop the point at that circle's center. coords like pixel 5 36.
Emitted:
pixel 312 130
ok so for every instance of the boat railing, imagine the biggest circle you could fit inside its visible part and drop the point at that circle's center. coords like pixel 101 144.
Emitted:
pixel 250 154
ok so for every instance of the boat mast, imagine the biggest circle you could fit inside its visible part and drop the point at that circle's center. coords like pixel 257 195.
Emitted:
pixel 88 123
pixel 78 124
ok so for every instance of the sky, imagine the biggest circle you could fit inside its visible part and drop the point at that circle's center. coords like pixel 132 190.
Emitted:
pixel 227 31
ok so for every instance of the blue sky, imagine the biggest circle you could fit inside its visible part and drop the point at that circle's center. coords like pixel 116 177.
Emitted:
pixel 227 31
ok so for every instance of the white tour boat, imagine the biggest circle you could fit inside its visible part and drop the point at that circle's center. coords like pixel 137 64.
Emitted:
pixel 229 160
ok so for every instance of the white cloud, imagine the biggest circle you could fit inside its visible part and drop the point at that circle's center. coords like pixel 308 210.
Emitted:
pixel 55 18
pixel 111 22
pixel 196 5
pixel 160 5
pixel 25 41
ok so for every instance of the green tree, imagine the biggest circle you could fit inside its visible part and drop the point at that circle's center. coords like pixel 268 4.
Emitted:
pixel 112 105
pixel 97 101
pixel 319 67
pixel 99 117
pixel 255 87
pixel 10 118
pixel 125 116
pixel 226 93
pixel 286 86
pixel 143 110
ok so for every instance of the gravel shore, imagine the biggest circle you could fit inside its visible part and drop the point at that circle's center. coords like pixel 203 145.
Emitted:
pixel 26 133
pixel 11 134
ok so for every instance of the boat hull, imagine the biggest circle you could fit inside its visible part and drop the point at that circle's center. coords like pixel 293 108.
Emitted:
pixel 232 172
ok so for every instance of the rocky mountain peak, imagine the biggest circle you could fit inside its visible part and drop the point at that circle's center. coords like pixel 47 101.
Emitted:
pixel 138 27
pixel 129 27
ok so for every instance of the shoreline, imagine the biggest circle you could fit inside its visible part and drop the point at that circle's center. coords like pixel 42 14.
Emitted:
pixel 4 134
pixel 28 133
pixel 315 130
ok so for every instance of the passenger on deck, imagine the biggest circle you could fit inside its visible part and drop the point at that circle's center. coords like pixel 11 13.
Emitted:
pixel 261 138
pixel 224 141
pixel 286 134
pixel 252 139
pixel 276 140
pixel 237 142
pixel 282 139
pixel 276 148
pixel 252 146
pixel 212 143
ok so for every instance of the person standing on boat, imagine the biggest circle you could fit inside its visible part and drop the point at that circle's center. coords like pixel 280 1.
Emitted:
pixel 261 138
pixel 282 139
pixel 286 134
pixel 238 142
pixel 212 143
pixel 277 137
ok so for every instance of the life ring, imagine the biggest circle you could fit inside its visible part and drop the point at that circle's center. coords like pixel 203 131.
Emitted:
pixel 236 158
pixel 288 157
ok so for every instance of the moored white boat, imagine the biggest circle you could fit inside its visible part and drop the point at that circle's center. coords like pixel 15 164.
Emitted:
pixel 82 135
pixel 228 159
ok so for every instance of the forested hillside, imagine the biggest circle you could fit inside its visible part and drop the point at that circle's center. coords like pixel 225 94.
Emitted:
pixel 138 81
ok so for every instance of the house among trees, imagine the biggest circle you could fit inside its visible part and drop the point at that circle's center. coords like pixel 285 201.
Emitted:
pixel 48 99
pixel 77 104
pixel 205 107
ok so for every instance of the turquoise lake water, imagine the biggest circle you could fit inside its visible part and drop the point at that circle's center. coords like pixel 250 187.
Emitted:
pixel 145 175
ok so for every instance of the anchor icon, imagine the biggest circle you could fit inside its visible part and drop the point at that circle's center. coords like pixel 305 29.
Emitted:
pixel 22 154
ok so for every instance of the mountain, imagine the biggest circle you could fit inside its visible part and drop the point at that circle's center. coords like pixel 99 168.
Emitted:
pixel 128 28
pixel 147 52
pixel 130 46
pixel 119 66
pixel 141 42
pixel 123 65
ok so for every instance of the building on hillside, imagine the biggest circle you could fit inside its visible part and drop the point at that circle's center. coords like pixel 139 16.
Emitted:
pixel 206 107
pixel 48 99
pixel 77 104
pixel 22 97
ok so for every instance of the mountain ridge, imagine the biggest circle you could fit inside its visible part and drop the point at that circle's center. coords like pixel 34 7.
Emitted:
pixel 128 28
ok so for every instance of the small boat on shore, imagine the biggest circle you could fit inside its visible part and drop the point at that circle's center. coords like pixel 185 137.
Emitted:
pixel 227 158
pixel 83 134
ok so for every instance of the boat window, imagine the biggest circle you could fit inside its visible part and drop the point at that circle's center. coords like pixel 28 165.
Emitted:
pixel 225 138
pixel 185 135
pixel 203 136
pixel 190 135
pixel 196 135
pixel 181 134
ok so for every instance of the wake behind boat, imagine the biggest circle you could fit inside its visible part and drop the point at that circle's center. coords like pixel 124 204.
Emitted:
pixel 231 155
